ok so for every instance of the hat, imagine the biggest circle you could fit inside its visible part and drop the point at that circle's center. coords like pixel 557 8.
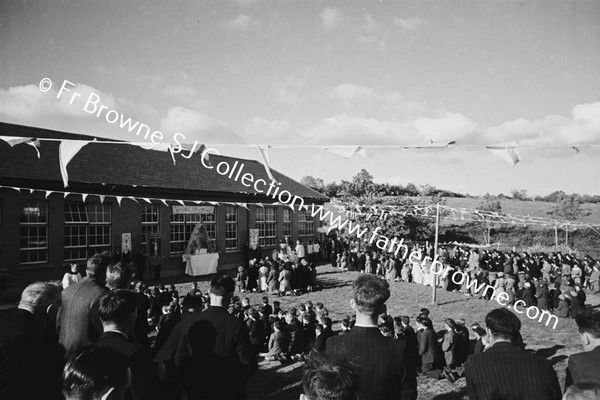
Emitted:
pixel 500 274
pixel 527 284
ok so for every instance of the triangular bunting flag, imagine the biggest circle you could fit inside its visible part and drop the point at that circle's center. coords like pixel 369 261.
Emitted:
pixel 362 152
pixel 119 199
pixel 242 205
pixel 15 140
pixel 181 202
pixel 31 191
pixel 66 151
pixel 84 196
pixel 197 202
pixel 506 153
pixel 16 188
pixel 164 202
pixel 48 193
pixel 342 151
pixel 35 144
pixel 102 197
pixel 132 198
pixel 264 155
pixel 66 194
pixel 147 200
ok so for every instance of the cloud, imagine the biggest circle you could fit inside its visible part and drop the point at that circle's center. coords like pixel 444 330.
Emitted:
pixel 197 126
pixel 260 130
pixel 582 127
pixel 350 93
pixel 446 126
pixel 410 23
pixel 288 90
pixel 240 23
pixel 332 18
pixel 346 129
pixel 29 104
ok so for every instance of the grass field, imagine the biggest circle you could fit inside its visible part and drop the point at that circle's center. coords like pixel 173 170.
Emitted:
pixel 275 380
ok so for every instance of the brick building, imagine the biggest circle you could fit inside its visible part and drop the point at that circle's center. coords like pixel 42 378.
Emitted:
pixel 44 225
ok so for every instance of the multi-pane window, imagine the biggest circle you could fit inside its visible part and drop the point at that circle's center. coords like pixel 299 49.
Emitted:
pixel 182 226
pixel 33 233
pixel 287 222
pixel 306 225
pixel 231 228
pixel 266 222
pixel 87 230
pixel 150 222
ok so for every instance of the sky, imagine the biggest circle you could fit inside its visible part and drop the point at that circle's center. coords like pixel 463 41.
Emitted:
pixel 324 73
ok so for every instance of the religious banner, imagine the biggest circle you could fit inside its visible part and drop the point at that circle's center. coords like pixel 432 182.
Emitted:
pixel 254 238
pixel 125 242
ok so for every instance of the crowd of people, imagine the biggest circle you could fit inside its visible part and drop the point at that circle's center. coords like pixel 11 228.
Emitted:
pixel 555 282
pixel 109 336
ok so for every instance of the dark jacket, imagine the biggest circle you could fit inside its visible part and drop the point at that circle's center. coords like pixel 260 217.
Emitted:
pixel 79 322
pixel 144 378
pixel 584 367
pixel 31 359
pixel 428 346
pixel 381 366
pixel 509 372
pixel 215 348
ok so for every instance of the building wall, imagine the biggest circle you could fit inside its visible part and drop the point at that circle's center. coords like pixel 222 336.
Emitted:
pixel 126 218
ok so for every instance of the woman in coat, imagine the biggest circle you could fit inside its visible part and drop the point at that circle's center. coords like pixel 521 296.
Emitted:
pixel 449 343
pixel 562 310
pixel 542 297
pixel 595 279
pixel 528 296
pixel 272 280
pixel 285 284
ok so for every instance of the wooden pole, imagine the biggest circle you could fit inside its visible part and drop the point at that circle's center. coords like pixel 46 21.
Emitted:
pixel 567 236
pixel 556 235
pixel 435 251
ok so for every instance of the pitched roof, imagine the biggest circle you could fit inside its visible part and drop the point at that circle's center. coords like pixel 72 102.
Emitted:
pixel 119 169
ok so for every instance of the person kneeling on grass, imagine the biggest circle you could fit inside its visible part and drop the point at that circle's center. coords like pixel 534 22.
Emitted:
pixel 278 343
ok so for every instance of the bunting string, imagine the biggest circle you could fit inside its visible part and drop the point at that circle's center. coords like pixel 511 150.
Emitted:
pixel 456 214
pixel 119 199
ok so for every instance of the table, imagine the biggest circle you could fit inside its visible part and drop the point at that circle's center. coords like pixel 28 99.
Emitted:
pixel 201 264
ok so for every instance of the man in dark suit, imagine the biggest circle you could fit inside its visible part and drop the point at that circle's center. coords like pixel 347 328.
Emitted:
pixel 117 310
pixel 215 352
pixel 31 359
pixel 505 370
pixel 380 363
pixel 79 323
pixel 585 367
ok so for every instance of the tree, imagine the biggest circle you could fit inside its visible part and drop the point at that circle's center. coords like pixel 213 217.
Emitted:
pixel 427 190
pixel 519 194
pixel 568 207
pixel 491 204
pixel 411 190
pixel 313 183
pixel 362 183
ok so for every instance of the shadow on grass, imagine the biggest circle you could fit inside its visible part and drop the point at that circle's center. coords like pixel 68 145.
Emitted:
pixel 557 359
pixel 549 352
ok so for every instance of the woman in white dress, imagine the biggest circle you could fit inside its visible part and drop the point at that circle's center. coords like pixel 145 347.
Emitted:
pixel 263 273
pixel 71 277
